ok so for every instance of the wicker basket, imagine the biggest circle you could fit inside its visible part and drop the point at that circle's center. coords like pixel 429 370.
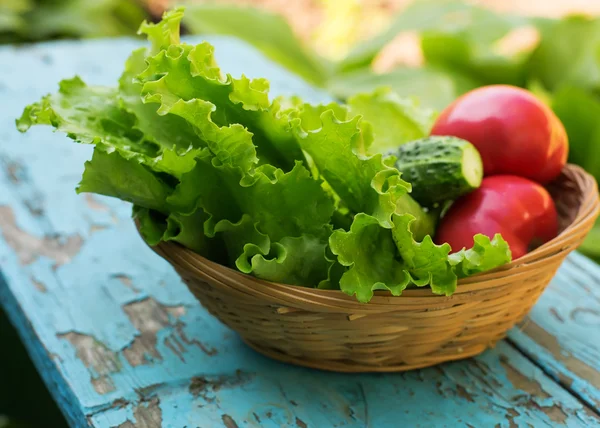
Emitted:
pixel 332 331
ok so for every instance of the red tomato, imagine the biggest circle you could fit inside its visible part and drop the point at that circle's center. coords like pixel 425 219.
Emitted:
pixel 515 132
pixel 521 210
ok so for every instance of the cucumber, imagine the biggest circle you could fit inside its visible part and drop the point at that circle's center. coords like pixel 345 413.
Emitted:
pixel 439 168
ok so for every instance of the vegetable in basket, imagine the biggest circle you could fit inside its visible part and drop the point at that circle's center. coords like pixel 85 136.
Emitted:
pixel 440 168
pixel 519 139
pixel 281 189
pixel 521 210
pixel 515 132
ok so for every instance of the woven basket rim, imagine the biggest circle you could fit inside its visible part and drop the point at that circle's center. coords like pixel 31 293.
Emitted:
pixel 293 295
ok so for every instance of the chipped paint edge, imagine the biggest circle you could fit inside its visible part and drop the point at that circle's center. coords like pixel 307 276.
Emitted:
pixel 43 362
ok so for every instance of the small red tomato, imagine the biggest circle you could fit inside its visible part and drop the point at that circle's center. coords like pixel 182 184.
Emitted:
pixel 514 131
pixel 521 210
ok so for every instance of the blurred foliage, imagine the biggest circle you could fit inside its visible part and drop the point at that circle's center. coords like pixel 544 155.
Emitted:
pixel 267 31
pixel 463 46
pixel 35 20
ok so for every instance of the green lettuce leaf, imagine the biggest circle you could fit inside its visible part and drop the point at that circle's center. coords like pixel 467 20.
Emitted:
pixel 372 253
pixel 98 115
pixel 424 222
pixel 394 120
pixel 485 254
pixel 181 74
pixel 152 224
pixel 167 131
pixel 425 262
pixel 283 204
pixel 294 260
pixel 365 184
pixel 380 259
pixel 242 240
pixel 369 251
pixel 188 230
pixel 264 219
pixel 164 33
pixel 90 115
pixel 298 260
pixel 109 173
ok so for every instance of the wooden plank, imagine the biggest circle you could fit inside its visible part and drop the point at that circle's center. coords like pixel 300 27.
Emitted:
pixel 501 388
pixel 561 332
pixel 119 338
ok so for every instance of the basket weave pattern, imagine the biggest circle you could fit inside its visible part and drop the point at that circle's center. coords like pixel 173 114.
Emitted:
pixel 329 330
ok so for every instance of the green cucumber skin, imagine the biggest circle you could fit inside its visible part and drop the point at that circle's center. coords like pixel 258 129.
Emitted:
pixel 435 168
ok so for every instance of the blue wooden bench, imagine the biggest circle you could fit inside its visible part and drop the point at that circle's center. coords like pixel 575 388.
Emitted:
pixel 120 342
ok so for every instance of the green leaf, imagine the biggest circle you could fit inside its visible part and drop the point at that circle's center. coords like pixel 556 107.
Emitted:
pixel 419 16
pixel 460 46
pixel 188 230
pixel 168 131
pixel 569 54
pixel 425 262
pixel 369 252
pixel 186 81
pixel 591 245
pixel 152 224
pixel 264 30
pixel 424 222
pixel 294 260
pixel 433 88
pixel 485 255
pixel 336 271
pixel 579 111
pixel 83 18
pixel 90 115
pixel 395 120
pixel 242 240
pixel 467 42
pixel 165 33
pixel 101 115
pixel 282 204
pixel 380 259
pixel 12 16
pixel 365 184
pixel 110 174
pixel 230 144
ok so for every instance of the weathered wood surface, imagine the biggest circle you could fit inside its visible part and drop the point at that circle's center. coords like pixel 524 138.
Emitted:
pixel 121 342
pixel 562 332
